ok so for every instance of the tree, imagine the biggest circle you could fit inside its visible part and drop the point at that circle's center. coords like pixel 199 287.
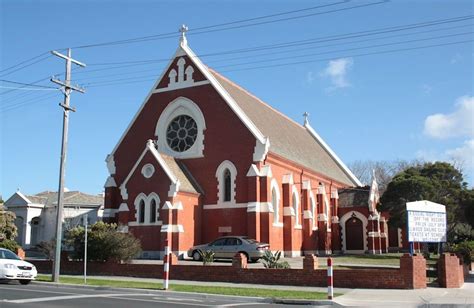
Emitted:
pixel 104 243
pixel 8 230
pixel 438 182
pixel 384 170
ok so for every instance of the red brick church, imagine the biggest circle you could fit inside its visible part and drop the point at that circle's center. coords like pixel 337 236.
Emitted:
pixel 203 158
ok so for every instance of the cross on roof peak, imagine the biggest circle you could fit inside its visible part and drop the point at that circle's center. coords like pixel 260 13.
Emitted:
pixel 306 116
pixel 183 31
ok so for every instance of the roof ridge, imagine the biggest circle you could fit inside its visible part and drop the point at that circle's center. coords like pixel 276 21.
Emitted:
pixel 255 97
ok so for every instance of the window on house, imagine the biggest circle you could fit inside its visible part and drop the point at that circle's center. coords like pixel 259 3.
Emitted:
pixel 227 185
pixel 153 211
pixel 141 212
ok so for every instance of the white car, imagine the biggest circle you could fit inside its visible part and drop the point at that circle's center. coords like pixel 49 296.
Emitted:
pixel 14 268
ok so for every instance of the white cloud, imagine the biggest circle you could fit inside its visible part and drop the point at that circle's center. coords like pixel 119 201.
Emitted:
pixel 463 155
pixel 456 124
pixel 337 71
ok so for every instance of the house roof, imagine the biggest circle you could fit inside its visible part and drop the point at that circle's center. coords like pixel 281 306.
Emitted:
pixel 76 198
pixel 287 138
pixel 358 197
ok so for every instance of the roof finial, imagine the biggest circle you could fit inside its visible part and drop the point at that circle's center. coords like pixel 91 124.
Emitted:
pixel 183 31
pixel 306 115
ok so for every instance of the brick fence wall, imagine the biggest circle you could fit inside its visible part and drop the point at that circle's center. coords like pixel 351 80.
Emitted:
pixel 411 275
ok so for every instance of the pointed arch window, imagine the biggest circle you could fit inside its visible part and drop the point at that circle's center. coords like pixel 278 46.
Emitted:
pixel 227 185
pixel 152 211
pixel 141 211
pixel 147 210
pixel 226 174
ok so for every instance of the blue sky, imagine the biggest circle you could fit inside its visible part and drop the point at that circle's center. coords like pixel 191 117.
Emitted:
pixel 392 104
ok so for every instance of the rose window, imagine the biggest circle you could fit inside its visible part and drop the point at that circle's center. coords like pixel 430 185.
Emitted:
pixel 181 133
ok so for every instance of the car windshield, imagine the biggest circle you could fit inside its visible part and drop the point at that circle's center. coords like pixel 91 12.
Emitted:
pixel 7 254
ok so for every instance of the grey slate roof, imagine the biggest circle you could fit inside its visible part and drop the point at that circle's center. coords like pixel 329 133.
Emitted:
pixel 50 198
pixel 358 197
pixel 186 184
pixel 287 138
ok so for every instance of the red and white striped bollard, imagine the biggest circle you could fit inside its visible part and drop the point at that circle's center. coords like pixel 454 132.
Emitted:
pixel 166 266
pixel 330 279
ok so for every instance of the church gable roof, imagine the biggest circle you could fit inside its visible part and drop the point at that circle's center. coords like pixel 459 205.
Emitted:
pixel 272 130
pixel 179 180
pixel 287 138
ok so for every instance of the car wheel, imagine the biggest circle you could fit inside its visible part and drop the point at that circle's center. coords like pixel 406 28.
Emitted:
pixel 25 281
pixel 254 260
pixel 196 256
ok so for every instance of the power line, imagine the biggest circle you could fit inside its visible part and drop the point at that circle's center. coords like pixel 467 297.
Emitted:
pixel 288 51
pixel 26 65
pixel 18 64
pixel 301 56
pixel 351 56
pixel 197 30
pixel 350 49
pixel 26 84
pixel 310 41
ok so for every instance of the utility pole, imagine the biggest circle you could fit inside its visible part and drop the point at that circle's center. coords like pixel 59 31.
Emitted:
pixel 67 90
pixel 86 217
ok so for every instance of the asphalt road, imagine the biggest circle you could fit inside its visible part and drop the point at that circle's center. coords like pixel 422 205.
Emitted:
pixel 13 294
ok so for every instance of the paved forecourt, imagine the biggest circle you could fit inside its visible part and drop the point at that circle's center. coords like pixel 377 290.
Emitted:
pixel 48 295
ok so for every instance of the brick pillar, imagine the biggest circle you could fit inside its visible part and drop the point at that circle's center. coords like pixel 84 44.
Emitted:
pixel 310 263
pixel 239 261
pixel 288 219
pixel 336 244
pixel 450 271
pixel 383 236
pixel 265 219
pixel 307 218
pixel 322 223
pixel 253 197
pixel 111 202
pixel 413 271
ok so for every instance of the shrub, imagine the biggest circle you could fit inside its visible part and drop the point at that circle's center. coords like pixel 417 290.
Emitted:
pixel 47 248
pixel 103 243
pixel 10 245
pixel 271 260
pixel 464 250
pixel 207 256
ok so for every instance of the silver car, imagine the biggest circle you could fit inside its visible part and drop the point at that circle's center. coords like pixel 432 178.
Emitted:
pixel 226 247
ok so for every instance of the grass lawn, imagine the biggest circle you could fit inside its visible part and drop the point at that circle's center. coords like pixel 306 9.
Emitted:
pixel 193 288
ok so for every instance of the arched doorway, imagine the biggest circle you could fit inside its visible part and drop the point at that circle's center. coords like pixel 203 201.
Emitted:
pixel 35 231
pixel 354 234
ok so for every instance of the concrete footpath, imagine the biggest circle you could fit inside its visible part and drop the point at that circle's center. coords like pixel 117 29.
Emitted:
pixel 429 297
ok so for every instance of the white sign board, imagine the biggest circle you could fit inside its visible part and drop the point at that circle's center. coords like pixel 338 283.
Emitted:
pixel 426 222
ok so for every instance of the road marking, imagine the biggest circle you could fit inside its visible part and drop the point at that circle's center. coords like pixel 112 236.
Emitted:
pixel 241 304
pixel 159 301
pixel 180 299
pixel 39 291
pixel 65 297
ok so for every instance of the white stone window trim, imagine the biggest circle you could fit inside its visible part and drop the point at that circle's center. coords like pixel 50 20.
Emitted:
pixel 342 223
pixel 181 106
pixel 276 207
pixel 148 170
pixel 295 203
pixel 226 165
pixel 147 201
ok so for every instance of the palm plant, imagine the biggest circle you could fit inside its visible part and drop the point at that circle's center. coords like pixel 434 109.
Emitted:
pixel 207 256
pixel 271 260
